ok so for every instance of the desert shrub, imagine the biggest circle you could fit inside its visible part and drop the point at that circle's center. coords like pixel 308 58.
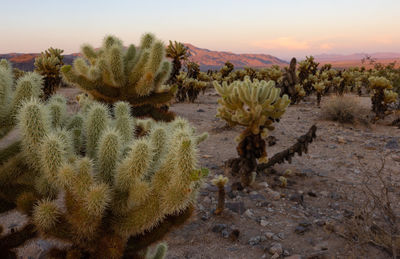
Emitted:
pixel 374 211
pixel 344 109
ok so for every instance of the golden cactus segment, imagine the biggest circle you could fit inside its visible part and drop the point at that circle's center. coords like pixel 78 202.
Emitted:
pixel 253 104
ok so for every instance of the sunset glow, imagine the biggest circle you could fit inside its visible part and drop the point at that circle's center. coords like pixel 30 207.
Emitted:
pixel 284 29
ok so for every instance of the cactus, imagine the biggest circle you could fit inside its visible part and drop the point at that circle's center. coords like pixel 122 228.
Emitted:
pixel 227 69
pixel 48 64
pixel 255 105
pixel 306 68
pixel 13 93
pixel 220 181
pixel 289 84
pixel 114 190
pixel 319 88
pixel 134 75
pixel 178 52
pixel 382 95
pixel 189 88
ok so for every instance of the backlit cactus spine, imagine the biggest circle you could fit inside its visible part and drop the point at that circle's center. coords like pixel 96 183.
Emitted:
pixel 255 105
pixel 135 75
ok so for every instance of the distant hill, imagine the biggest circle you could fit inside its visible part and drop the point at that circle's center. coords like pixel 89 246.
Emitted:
pixel 208 59
pixel 357 56
pixel 25 61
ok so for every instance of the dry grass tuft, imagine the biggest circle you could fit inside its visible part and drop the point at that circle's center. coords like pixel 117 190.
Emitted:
pixel 344 109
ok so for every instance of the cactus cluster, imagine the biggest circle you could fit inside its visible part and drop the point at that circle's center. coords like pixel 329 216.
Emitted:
pixel 382 95
pixel 306 68
pixel 136 75
pixel 255 105
pixel 48 64
pixel 189 88
pixel 116 186
pixel 178 53
pixel 14 92
pixel 290 83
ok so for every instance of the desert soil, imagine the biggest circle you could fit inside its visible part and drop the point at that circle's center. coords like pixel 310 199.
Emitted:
pixel 302 220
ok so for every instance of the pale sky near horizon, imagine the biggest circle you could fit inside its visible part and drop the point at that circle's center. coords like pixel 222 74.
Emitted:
pixel 282 28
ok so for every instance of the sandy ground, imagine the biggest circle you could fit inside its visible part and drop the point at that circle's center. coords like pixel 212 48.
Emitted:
pixel 271 216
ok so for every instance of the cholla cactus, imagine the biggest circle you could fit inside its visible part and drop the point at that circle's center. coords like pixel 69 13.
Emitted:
pixel 13 93
pixel 189 88
pixel 119 188
pixel 135 75
pixel 48 64
pixel 289 83
pixel 220 181
pixel 226 69
pixel 255 105
pixel 307 68
pixel 178 52
pixel 382 95
pixel 319 88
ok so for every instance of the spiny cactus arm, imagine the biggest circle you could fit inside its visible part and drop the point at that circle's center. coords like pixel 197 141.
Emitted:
pixel 124 122
pixel 108 153
pixel 34 124
pixel 96 122
pixel 160 253
pixel 89 53
pixel 161 76
pixel 75 126
pixel 129 59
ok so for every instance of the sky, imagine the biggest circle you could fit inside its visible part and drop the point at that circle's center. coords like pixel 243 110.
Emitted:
pixel 282 28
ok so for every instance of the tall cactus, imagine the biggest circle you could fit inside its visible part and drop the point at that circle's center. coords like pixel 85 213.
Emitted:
pixel 135 75
pixel 382 95
pixel 255 105
pixel 117 188
pixel 48 64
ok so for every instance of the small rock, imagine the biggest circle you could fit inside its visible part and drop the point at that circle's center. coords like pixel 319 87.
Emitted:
pixel 200 110
pixel 305 172
pixel 264 184
pixel 225 233
pixel 297 197
pixel 234 235
pixel 264 223
pixel 276 248
pixel 237 207
pixel 257 197
pixel 286 253
pixel 218 228
pixel 341 140
pixel 269 235
pixel 275 256
pixel 274 194
pixel 312 194
pixel 257 240
pixel 249 213
pixel 393 143
pixel 278 237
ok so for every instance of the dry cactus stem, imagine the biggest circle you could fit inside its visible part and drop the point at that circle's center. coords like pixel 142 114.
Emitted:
pixel 255 105
pixel 220 181
pixel 299 147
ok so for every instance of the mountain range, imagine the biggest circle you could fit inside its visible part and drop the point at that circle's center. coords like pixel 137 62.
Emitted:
pixel 209 59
